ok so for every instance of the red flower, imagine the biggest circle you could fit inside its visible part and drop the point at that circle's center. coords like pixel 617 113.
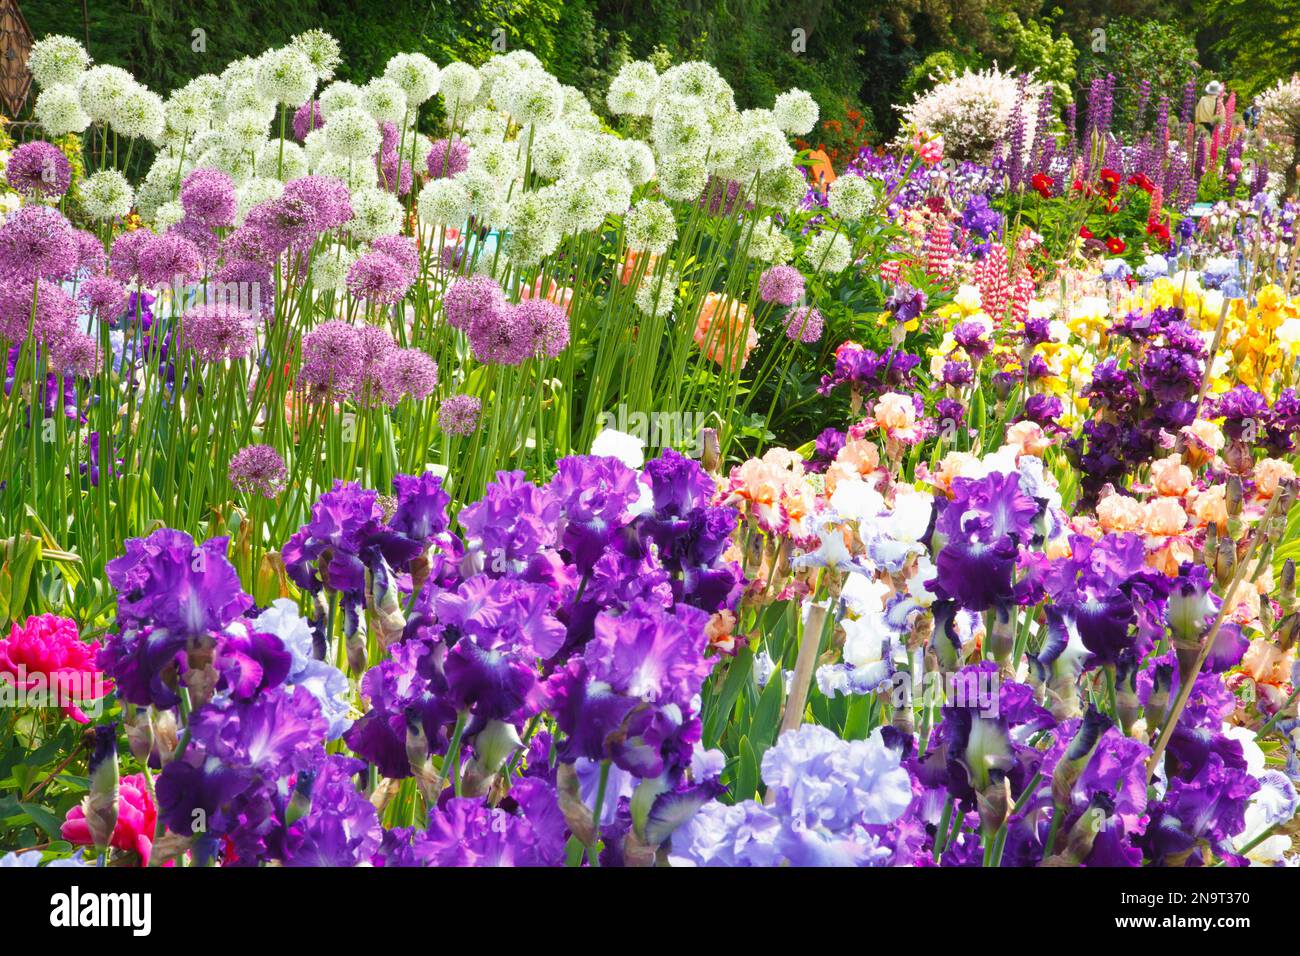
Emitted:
pixel 1159 230
pixel 1085 233
pixel 1140 180
pixel 1110 179
pixel 1115 245
pixel 1043 183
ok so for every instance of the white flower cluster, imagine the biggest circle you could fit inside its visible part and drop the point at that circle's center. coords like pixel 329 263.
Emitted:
pixel 974 111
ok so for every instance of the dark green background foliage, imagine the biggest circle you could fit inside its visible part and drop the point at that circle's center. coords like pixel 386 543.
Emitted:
pixel 861 57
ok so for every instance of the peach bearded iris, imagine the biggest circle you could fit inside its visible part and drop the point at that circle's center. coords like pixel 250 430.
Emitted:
pixel 47 654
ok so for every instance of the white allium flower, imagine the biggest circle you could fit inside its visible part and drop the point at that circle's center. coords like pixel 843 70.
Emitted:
pixel 329 267
pixel 700 83
pixel 139 114
pixel 59 111
pixel 577 111
pixel 522 60
pixel 353 173
pixel 237 163
pixel 419 146
pixel 415 74
pixel 765 149
pixel 640 161
pixel 769 244
pixel 796 112
pixel 282 159
pixel 106 195
pixel 531 96
pixel 650 227
pixel 101 88
pixel 679 126
pixel 553 152
pixel 245 96
pixel 486 193
pixel 682 177
pixel 243 70
pixel 656 295
pixel 633 90
pixel 828 253
pixel 531 218
pixel 613 190
pixel 313 147
pixel 485 126
pixel 168 215
pixel 57 61
pixel 285 76
pixel 499 159
pixel 444 202
pixel 384 100
pixel 340 96
pixel 459 85
pixel 783 188
pixel 578 205
pixel 254 192
pixel 244 130
pixel 601 151
pixel 188 109
pixel 352 133
pixel 321 51
pixel 851 197
pixel 375 213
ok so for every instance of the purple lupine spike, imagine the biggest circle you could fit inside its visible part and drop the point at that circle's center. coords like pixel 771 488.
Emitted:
pixel 1143 99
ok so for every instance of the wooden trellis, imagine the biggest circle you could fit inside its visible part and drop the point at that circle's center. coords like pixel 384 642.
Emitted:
pixel 15 47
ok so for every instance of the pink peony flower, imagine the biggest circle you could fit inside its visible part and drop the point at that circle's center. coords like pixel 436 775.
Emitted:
pixel 47 654
pixel 137 818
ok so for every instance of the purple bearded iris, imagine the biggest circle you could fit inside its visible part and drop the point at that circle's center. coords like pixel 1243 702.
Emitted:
pixel 630 696
pixel 511 522
pixel 167 581
pixel 869 372
pixel 689 532
pixel 976 540
pixel 342 827
pixel 239 755
pixel 1106 594
pixel 595 494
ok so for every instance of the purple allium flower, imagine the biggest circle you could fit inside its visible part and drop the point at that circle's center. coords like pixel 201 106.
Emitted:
pixel 55 312
pixel 208 196
pixel 459 414
pixel 781 285
pixel 509 340
pixel 548 323
pixel 378 278
pixel 407 372
pixel 288 222
pixel 36 242
pixel 38 169
pixel 394 172
pixel 329 197
pixel 448 158
pixel 473 302
pixel 219 332
pixel 169 257
pixel 260 469
pixel 332 359
pixel 804 324
pixel 75 354
pixel 377 344
pixel 170 582
pixel 91 259
pixel 307 118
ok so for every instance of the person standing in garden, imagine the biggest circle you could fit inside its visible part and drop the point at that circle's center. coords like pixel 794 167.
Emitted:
pixel 1209 108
